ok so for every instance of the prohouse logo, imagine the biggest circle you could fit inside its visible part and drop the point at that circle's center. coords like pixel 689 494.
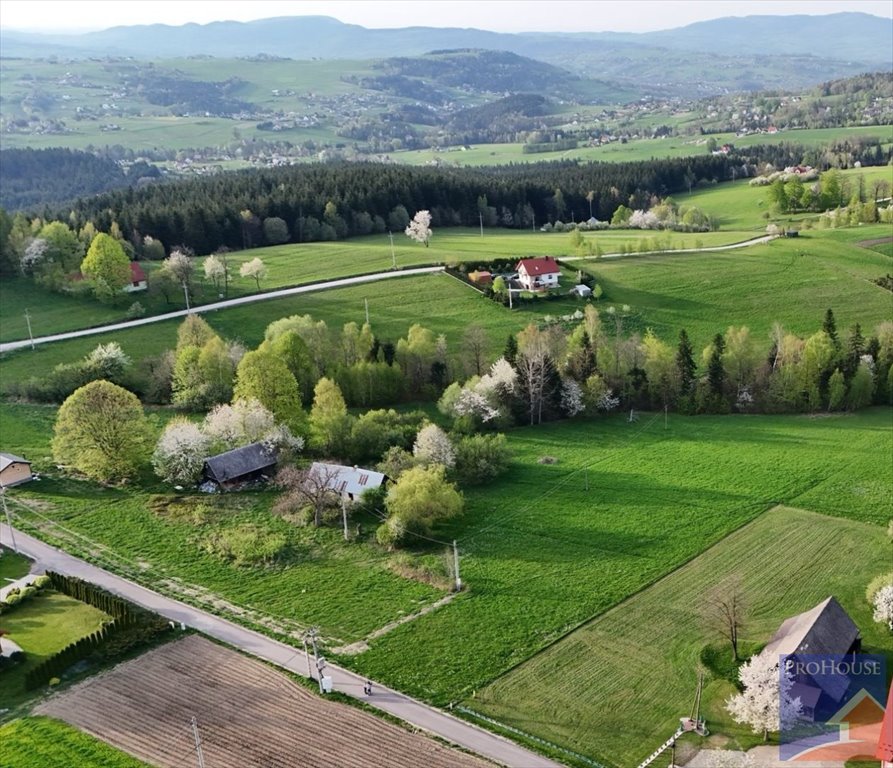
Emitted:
pixel 831 706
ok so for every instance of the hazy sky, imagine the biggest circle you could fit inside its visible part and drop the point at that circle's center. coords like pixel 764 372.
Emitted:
pixel 498 15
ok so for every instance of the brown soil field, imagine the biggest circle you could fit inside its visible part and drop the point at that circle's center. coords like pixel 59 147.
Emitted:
pixel 249 715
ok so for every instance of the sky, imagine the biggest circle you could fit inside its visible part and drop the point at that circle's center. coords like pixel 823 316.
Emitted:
pixel 498 15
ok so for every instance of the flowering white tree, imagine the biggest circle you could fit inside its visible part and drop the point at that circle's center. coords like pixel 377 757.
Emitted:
pixel 109 359
pixel 419 229
pixel 34 254
pixel 501 377
pixel 178 266
pixel 473 402
pixel 180 452
pixel 644 220
pixel 433 446
pixel 254 269
pixel 883 606
pixel 243 422
pixel 572 397
pixel 766 702
pixel 215 271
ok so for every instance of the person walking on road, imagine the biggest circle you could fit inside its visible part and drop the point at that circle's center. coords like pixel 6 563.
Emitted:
pixel 367 687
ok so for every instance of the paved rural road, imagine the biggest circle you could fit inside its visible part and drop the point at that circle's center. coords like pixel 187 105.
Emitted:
pixel 422 716
pixel 341 283
pixel 10 346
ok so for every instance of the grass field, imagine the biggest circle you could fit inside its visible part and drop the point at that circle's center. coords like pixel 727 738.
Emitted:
pixel 789 281
pixel 12 566
pixel 736 205
pixel 615 688
pixel 42 626
pixel 290 265
pixel 641 149
pixel 543 553
pixel 41 742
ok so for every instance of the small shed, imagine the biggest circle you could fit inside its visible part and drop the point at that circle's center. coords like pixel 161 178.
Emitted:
pixel 348 482
pixel 582 291
pixel 240 465
pixel 138 279
pixel 14 470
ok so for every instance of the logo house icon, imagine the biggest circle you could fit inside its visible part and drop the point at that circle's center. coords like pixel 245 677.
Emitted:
pixel 859 726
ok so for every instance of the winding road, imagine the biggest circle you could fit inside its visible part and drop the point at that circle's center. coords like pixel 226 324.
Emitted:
pixel 405 708
pixel 11 346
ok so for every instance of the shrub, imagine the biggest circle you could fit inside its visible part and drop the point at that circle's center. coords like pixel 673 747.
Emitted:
pixel 13 599
pixel 41 581
pixel 480 458
pixel 247 544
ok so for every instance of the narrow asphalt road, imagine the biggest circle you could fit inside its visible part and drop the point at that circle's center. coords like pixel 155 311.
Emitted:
pixel 416 713
pixel 10 346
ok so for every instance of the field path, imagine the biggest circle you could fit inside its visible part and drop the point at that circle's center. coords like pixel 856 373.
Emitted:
pixel 414 712
pixel 10 346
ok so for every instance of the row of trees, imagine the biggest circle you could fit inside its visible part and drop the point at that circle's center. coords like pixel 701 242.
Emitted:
pixel 315 202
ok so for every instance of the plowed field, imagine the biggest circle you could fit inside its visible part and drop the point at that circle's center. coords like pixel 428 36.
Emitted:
pixel 248 714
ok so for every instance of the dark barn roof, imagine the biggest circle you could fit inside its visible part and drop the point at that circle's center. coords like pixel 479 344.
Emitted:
pixel 824 629
pixel 239 462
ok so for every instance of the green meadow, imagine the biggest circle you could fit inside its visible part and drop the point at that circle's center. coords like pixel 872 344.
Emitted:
pixel 41 742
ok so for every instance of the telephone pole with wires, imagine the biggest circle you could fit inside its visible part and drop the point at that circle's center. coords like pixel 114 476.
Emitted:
pixel 198 743
pixel 456 566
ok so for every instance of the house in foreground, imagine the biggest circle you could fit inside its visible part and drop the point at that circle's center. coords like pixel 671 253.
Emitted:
pixel 240 465
pixel 348 482
pixel 14 470
pixel 825 631
pixel 538 274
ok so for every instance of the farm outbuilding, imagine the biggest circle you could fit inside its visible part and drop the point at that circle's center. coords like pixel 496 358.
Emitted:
pixel 827 631
pixel 348 482
pixel 241 465
pixel 14 470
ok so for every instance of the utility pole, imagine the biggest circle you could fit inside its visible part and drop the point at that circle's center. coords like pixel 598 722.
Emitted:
pixel 481 217
pixel 198 743
pixel 665 415
pixel 309 636
pixel 366 302
pixel 28 320
pixel 8 520
pixel 510 294
pixel 393 252
pixel 456 566
pixel 344 514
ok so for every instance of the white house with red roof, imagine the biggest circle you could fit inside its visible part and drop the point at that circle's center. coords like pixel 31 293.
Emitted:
pixel 138 280
pixel 538 274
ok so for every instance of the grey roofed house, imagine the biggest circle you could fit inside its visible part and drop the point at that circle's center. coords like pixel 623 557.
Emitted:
pixel 348 481
pixel 14 470
pixel 825 630
pixel 240 465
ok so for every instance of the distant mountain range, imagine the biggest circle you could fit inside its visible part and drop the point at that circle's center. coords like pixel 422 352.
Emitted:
pixel 748 53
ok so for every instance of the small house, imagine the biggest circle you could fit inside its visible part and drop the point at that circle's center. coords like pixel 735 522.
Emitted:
pixel 538 274
pixel 240 465
pixel 348 482
pixel 481 277
pixel 14 470
pixel 138 279
pixel 827 631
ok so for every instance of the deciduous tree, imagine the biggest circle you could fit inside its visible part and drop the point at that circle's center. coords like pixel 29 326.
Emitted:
pixel 106 265
pixel 419 229
pixel 101 431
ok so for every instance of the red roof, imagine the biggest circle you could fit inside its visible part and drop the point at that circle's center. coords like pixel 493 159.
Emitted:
pixel 885 743
pixel 542 266
pixel 136 273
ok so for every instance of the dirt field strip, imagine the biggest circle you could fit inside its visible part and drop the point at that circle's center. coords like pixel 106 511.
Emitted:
pixel 248 714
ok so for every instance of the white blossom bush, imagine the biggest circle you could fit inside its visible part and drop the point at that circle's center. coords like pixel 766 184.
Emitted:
pixel 572 398
pixel 109 359
pixel 33 255
pixel 883 606
pixel 644 220
pixel 472 402
pixel 242 423
pixel 766 700
pixel 433 446
pixel 180 453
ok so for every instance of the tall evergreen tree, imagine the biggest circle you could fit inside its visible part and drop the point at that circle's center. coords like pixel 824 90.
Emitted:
pixel 829 326
pixel 855 348
pixel 685 364
pixel 511 349
pixel 716 374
